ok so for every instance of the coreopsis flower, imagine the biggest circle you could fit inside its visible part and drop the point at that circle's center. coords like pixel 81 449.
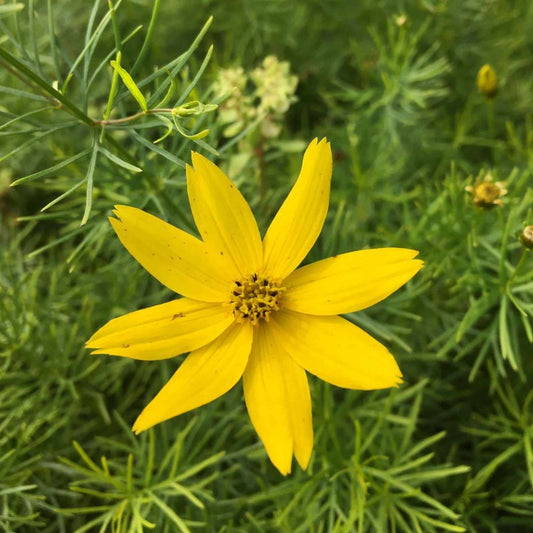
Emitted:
pixel 486 193
pixel 248 311
pixel 487 81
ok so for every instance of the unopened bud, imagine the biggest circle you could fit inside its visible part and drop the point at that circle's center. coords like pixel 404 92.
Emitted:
pixel 487 81
pixel 526 237
pixel 401 20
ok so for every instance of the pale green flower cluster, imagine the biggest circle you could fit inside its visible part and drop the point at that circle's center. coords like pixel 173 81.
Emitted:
pixel 275 86
pixel 234 111
pixel 266 92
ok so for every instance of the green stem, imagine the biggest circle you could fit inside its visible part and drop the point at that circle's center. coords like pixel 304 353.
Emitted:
pixel 521 262
pixel 492 131
pixel 116 31
pixel 503 246
pixel 123 120
pixel 53 44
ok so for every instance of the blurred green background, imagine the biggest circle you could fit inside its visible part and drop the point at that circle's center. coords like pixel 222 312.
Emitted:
pixel 393 87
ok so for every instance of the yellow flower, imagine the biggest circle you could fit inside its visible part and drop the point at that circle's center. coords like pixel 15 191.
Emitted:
pixel 487 81
pixel 248 311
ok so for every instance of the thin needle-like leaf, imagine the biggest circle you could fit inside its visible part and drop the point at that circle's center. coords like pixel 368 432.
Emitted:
pixel 157 149
pixel 148 38
pixel 51 170
pixel 194 81
pixel 89 179
pixel 117 160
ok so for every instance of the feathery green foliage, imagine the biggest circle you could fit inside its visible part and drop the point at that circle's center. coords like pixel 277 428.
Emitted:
pixel 102 103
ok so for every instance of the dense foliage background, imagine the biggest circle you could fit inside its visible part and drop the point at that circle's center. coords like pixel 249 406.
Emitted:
pixel 393 86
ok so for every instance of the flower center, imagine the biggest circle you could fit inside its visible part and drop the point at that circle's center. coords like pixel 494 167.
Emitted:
pixel 488 193
pixel 254 298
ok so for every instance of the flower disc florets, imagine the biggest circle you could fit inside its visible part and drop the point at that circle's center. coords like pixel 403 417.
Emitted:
pixel 486 193
pixel 254 298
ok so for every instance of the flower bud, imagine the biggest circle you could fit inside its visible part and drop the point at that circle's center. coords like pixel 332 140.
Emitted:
pixel 487 81
pixel 401 20
pixel 526 237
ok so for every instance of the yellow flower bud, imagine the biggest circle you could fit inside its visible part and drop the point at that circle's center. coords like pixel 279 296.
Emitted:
pixel 401 20
pixel 487 81
pixel 526 237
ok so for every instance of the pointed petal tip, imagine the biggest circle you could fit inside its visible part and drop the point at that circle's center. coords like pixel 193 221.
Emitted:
pixel 113 220
pixel 397 378
pixel 137 427
pixel 92 341
pixel 322 144
pixel 322 151
pixel 119 207
pixel 304 461
pixel 284 470
pixel 189 170
pixel 198 159
pixel 409 253
pixel 97 351
pixel 317 144
pixel 418 264
pixel 414 266
pixel 120 211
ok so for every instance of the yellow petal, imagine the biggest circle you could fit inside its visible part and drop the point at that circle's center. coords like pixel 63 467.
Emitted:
pixel 299 221
pixel 278 401
pixel 178 260
pixel 206 374
pixel 349 282
pixel 336 351
pixel 162 331
pixel 223 217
